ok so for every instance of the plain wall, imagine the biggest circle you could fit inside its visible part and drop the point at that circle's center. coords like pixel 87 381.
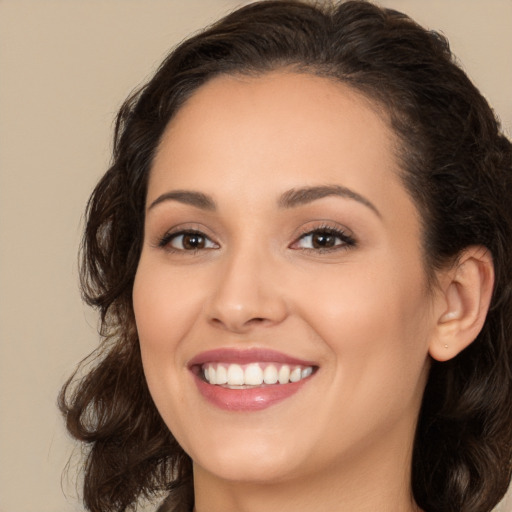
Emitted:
pixel 65 68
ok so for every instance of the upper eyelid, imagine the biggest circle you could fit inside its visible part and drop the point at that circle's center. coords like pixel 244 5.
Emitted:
pixel 339 233
pixel 171 234
pixel 333 227
pixel 192 227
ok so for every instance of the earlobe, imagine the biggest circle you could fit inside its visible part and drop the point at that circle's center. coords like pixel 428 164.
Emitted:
pixel 467 291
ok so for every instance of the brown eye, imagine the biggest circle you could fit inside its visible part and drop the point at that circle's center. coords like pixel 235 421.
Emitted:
pixel 193 241
pixel 322 240
pixel 187 241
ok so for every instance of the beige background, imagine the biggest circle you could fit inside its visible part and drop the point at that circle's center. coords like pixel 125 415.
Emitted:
pixel 65 67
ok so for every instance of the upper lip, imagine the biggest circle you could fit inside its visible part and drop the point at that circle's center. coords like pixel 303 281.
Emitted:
pixel 246 356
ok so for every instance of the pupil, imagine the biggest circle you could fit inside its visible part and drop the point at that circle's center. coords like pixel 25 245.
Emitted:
pixel 193 241
pixel 323 240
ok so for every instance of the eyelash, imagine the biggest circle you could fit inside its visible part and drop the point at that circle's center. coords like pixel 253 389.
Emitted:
pixel 346 240
pixel 166 240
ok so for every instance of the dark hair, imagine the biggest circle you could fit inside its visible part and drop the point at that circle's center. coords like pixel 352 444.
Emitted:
pixel 456 165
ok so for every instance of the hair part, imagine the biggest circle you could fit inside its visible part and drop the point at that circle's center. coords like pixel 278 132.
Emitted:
pixel 456 165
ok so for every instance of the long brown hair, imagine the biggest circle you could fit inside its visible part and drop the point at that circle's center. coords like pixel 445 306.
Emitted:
pixel 457 166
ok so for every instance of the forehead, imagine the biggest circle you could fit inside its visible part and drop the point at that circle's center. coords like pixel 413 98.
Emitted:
pixel 260 136
pixel 277 97
pixel 290 113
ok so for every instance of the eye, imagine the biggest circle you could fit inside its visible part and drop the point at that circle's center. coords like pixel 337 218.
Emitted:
pixel 324 239
pixel 187 241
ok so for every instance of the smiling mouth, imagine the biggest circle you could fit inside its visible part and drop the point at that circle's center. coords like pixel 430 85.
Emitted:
pixel 257 374
pixel 249 380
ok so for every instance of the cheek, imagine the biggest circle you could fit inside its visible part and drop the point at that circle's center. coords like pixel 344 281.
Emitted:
pixel 164 311
pixel 369 297
pixel 376 325
pixel 164 307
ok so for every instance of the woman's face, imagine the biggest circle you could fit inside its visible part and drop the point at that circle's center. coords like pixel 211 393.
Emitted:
pixel 282 258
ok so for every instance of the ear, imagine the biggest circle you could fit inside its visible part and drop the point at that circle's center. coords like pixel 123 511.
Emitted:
pixel 466 290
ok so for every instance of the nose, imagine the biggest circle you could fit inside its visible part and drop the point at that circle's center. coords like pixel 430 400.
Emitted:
pixel 248 293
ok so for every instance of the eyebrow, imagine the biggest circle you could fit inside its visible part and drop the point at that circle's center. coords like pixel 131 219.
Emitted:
pixel 197 199
pixel 301 196
pixel 290 199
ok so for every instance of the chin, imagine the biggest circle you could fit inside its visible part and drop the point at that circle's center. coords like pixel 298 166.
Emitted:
pixel 256 462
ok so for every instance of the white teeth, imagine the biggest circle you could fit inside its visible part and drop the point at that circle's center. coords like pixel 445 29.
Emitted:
pixel 235 375
pixel 295 375
pixel 306 372
pixel 222 375
pixel 270 374
pixel 284 374
pixel 254 374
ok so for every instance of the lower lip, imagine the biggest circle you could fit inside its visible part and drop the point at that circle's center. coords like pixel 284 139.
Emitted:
pixel 251 399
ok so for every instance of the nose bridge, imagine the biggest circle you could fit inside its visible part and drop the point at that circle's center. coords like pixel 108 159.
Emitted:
pixel 246 291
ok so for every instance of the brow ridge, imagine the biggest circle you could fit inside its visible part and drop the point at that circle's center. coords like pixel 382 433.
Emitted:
pixel 197 199
pixel 290 199
pixel 298 197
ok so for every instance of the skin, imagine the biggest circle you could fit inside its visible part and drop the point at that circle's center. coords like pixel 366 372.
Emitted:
pixel 360 311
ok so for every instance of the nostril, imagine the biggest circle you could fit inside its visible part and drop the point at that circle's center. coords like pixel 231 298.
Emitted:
pixel 238 324
pixel 256 321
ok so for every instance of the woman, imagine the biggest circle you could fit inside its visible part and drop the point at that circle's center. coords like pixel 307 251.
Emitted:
pixel 301 258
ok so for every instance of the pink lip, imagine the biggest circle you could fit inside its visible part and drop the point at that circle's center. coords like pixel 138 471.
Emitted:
pixel 231 355
pixel 246 400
